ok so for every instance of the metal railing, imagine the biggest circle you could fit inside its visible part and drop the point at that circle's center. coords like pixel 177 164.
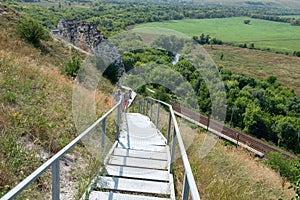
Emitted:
pixel 145 106
pixel 54 162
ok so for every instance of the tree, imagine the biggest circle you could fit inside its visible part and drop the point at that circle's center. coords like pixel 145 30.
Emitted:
pixel 112 73
pixel 287 133
pixel 296 53
pixel 247 21
pixel 202 39
pixel 161 94
pixel 32 31
pixel 72 66
pixel 257 122
pixel 271 79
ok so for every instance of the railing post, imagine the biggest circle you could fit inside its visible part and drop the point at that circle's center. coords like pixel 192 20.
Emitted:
pixel 169 128
pixel 186 188
pixel 139 106
pixel 103 132
pixel 172 152
pixel 146 107
pixel 55 180
pixel 132 106
pixel 157 114
pixel 118 121
pixel 151 110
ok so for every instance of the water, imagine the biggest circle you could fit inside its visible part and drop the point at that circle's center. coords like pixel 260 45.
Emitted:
pixel 176 59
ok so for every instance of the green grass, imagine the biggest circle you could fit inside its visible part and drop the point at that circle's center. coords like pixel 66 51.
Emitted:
pixel 264 34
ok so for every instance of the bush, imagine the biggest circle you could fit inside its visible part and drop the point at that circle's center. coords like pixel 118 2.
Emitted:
pixel 32 31
pixel 72 66
pixel 296 53
pixel 286 168
pixel 296 187
pixel 247 21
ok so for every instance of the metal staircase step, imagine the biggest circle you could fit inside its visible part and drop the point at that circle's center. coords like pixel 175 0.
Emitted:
pixel 96 195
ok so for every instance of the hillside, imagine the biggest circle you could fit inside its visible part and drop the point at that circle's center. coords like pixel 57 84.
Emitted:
pixel 227 171
pixel 36 121
pixel 36 110
pixel 259 3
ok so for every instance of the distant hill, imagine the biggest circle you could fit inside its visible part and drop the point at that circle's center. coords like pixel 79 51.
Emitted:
pixel 260 3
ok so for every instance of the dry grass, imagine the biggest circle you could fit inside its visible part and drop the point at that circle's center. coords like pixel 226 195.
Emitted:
pixel 36 111
pixel 259 64
pixel 226 172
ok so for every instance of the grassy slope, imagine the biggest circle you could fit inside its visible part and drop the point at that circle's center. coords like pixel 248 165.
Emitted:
pixel 35 105
pixel 40 94
pixel 228 172
pixel 264 34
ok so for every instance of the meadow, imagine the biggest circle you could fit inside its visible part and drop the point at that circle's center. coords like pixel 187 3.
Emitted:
pixel 262 33
pixel 259 64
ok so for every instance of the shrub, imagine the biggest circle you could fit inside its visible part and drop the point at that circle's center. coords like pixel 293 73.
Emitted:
pixel 296 53
pixel 296 187
pixel 32 31
pixel 247 21
pixel 286 168
pixel 72 66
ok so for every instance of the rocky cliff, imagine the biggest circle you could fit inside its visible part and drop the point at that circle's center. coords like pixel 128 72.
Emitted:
pixel 87 37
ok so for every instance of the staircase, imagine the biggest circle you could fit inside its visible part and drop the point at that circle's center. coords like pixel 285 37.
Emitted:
pixel 138 165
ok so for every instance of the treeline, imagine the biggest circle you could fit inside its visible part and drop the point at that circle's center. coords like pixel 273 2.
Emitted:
pixel 114 16
pixel 262 108
pixel 206 39
pixel 292 20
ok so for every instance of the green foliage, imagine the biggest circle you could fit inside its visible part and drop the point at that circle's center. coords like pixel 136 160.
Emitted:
pixel 247 21
pixel 295 22
pixel 10 97
pixel 72 66
pixel 296 186
pixel 161 94
pixel 287 132
pixel 271 79
pixel 296 53
pixel 263 108
pixel 286 168
pixel 32 31
pixel 243 45
pixel 256 121
pixel 206 39
pixel 112 73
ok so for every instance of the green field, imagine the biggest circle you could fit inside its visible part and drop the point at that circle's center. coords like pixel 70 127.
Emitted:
pixel 264 34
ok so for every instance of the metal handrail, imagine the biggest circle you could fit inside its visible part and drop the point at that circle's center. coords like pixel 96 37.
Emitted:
pixel 189 181
pixel 54 161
